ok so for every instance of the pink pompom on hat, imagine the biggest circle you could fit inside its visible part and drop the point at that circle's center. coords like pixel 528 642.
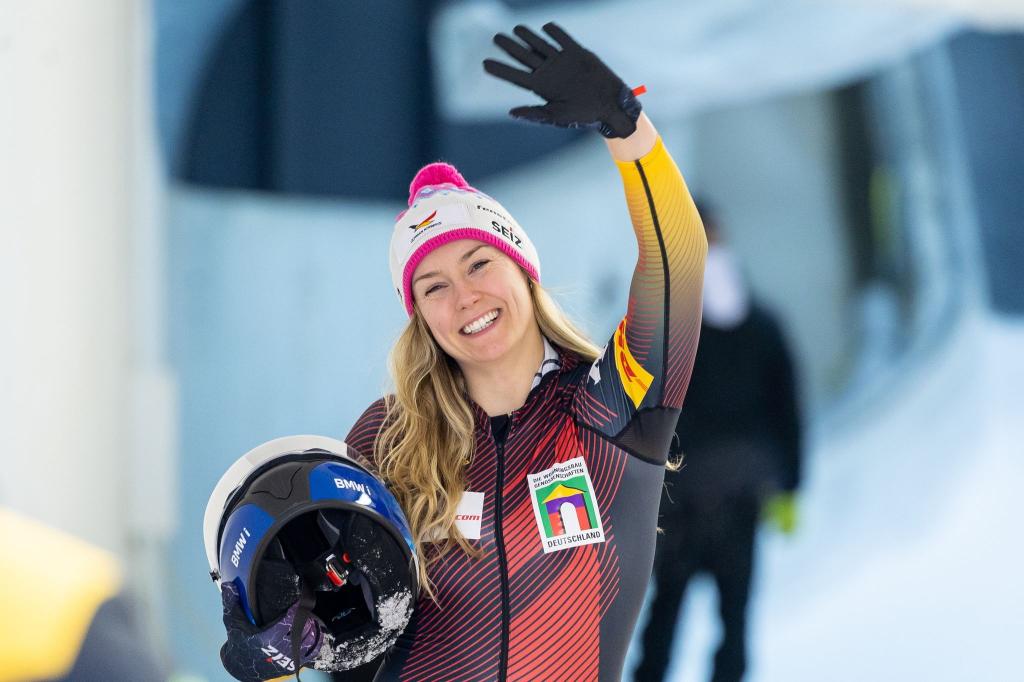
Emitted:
pixel 443 208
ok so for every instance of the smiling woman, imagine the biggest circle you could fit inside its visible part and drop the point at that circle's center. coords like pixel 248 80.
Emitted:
pixel 505 412
pixel 527 460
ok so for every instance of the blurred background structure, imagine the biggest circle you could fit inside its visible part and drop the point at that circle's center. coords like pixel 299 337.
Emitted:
pixel 195 203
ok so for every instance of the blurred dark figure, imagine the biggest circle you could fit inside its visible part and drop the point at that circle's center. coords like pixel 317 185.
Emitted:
pixel 739 434
pixel 65 616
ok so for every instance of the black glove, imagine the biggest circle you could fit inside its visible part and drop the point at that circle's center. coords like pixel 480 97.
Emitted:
pixel 254 654
pixel 581 92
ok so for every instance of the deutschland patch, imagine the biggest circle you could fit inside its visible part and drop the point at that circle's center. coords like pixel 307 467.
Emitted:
pixel 565 506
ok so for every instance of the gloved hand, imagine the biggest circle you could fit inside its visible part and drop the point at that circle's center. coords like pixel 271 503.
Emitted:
pixel 254 654
pixel 581 92
pixel 780 511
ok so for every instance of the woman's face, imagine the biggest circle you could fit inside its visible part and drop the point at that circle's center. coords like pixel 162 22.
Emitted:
pixel 475 300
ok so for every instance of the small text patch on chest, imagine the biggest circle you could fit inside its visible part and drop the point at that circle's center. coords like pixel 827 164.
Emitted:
pixel 468 517
pixel 469 514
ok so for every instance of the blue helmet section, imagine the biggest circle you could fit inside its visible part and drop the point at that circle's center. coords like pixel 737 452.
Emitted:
pixel 336 481
pixel 244 532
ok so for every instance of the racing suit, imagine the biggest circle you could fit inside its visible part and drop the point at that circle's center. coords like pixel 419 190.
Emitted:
pixel 567 490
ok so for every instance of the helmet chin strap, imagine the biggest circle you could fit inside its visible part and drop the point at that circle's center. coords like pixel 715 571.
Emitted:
pixel 307 600
pixel 357 578
pixel 338 536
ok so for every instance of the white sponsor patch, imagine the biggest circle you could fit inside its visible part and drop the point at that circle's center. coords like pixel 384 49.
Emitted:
pixel 565 506
pixel 468 517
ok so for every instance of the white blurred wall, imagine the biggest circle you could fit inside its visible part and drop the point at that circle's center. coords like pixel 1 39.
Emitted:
pixel 772 169
pixel 79 261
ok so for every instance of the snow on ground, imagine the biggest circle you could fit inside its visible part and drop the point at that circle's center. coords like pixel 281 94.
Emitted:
pixel 907 565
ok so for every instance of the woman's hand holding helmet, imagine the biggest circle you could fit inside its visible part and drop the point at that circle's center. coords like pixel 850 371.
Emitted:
pixel 253 654
pixel 581 92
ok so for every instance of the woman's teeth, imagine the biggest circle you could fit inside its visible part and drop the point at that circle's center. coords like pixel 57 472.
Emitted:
pixel 480 323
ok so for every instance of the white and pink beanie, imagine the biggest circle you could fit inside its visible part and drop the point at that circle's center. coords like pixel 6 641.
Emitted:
pixel 444 208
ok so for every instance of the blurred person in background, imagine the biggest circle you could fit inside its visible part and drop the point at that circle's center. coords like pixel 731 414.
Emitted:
pixel 739 434
pixel 66 617
pixel 527 459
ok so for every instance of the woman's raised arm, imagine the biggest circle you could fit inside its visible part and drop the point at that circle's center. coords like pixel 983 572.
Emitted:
pixel 635 389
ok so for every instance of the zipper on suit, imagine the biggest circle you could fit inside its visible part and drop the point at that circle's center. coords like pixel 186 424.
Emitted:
pixel 499 541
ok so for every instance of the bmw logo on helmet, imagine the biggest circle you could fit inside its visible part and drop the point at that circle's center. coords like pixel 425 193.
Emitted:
pixel 298 518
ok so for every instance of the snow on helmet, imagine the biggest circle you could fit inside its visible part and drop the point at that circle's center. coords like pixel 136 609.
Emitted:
pixel 297 519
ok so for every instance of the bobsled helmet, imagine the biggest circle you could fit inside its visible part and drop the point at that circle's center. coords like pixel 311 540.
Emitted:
pixel 300 520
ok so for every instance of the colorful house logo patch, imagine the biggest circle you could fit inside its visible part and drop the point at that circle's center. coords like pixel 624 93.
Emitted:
pixel 565 506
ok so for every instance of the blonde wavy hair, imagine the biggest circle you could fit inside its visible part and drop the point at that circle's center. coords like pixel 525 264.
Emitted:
pixel 427 439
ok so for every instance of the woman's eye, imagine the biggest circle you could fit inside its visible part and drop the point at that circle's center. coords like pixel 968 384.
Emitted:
pixel 479 264
pixel 432 289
